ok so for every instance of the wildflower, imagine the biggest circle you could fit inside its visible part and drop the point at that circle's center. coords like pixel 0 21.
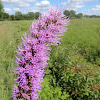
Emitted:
pixel 33 54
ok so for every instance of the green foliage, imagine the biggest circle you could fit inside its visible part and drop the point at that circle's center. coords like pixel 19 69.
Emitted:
pixel 74 74
pixel 49 92
pixel 70 13
pixel 30 15
pixel 1 16
pixel 79 15
pixel 12 17
pixel 1 6
pixel 36 15
pixel 1 11
pixel 18 16
pixel 67 12
pixel 6 16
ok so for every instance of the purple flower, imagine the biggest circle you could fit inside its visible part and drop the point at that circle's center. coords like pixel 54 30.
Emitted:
pixel 33 54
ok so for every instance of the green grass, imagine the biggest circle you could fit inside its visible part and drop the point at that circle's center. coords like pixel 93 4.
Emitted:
pixel 83 33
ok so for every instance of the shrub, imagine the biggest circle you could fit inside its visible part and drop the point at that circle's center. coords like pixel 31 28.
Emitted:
pixel 76 76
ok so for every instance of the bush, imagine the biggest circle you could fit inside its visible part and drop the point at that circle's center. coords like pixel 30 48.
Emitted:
pixel 76 76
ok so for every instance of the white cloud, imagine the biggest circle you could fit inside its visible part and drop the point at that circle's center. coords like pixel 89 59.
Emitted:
pixel 39 7
pixel 97 8
pixel 32 0
pixel 87 12
pixel 92 11
pixel 7 10
pixel 16 3
pixel 42 5
pixel 16 9
pixel 74 4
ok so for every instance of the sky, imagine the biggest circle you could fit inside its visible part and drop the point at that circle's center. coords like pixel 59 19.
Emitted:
pixel 89 7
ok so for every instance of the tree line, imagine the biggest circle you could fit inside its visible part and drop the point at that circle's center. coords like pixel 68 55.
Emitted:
pixel 72 14
pixel 18 15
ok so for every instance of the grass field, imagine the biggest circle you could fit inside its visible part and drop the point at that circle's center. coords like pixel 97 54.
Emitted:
pixel 81 43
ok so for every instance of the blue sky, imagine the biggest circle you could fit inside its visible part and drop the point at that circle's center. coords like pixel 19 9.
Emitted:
pixel 80 6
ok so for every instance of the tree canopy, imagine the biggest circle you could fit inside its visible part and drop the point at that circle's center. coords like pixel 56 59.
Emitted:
pixel 70 13
pixel 79 15
pixel 1 6
pixel 1 11
pixel 18 15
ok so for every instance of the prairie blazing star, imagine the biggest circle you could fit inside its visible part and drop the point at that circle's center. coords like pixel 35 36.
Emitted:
pixel 33 54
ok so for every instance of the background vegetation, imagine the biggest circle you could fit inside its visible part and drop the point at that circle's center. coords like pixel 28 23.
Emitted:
pixel 73 72
pixel 31 15
pixel 18 15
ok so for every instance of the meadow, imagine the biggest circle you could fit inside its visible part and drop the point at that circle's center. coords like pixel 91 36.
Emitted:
pixel 73 72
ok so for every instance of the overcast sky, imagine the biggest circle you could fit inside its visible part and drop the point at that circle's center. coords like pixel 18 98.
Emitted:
pixel 83 6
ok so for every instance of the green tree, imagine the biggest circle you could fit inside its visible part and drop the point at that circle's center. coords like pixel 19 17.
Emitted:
pixel 1 11
pixel 36 15
pixel 25 17
pixel 67 12
pixel 1 6
pixel 30 15
pixel 18 15
pixel 72 13
pixel 5 16
pixel 12 17
pixel 79 15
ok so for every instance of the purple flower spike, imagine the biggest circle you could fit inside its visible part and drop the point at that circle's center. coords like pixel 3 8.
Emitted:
pixel 33 54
